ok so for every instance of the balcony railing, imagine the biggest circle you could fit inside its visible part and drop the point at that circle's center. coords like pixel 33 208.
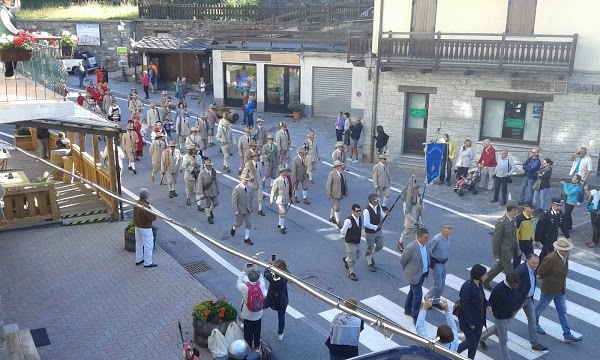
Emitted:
pixel 42 78
pixel 464 51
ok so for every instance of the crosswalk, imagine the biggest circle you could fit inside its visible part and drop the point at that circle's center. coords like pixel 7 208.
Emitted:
pixel 389 308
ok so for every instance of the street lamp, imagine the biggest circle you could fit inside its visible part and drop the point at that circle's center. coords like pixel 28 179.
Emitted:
pixel 180 39
pixel 370 60
pixel 121 28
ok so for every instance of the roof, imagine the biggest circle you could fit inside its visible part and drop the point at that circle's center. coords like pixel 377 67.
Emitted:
pixel 280 46
pixel 169 45
pixel 81 120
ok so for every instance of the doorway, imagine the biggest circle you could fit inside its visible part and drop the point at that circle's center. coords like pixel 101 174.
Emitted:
pixel 282 86
pixel 415 123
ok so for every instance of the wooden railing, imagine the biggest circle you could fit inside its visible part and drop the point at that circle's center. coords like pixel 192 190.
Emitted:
pixel 358 45
pixel 341 11
pixel 30 203
pixel 103 179
pixel 548 53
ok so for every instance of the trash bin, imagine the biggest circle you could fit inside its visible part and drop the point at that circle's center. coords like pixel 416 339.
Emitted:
pixel 67 165
pixel 56 159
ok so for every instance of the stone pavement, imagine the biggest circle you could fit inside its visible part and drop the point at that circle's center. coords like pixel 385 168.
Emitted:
pixel 82 286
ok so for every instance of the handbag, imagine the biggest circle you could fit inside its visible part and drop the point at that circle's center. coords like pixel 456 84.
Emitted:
pixel 537 184
pixel 457 309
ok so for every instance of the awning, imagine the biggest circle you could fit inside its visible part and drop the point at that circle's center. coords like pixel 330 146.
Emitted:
pixel 82 121
pixel 165 45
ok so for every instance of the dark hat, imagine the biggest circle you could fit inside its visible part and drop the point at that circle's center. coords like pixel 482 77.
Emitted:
pixel 528 204
pixel 477 271
pixel 557 201
pixel 512 203
pixel 447 224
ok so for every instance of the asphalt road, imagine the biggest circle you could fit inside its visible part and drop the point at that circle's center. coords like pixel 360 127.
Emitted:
pixel 313 249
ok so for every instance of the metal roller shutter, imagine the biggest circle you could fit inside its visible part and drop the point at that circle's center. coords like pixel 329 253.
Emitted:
pixel 331 91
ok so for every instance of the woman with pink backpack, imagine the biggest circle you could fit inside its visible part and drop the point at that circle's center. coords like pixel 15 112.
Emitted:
pixel 251 285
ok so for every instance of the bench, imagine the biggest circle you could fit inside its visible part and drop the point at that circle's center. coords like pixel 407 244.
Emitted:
pixel 20 346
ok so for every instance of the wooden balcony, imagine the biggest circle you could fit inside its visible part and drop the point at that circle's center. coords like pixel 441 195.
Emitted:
pixel 464 51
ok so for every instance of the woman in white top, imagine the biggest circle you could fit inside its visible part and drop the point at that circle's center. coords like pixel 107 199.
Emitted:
pixel 249 277
pixel 464 160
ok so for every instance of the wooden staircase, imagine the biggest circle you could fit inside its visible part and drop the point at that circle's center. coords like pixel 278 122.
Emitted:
pixel 78 204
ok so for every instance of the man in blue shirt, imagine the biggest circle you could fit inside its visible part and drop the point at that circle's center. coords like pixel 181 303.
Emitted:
pixel 440 250
pixel 448 334
pixel 530 167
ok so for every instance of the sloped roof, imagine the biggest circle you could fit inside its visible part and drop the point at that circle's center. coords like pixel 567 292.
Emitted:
pixel 169 45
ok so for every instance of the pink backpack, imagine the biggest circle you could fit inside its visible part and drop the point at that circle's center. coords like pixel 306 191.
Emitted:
pixel 256 300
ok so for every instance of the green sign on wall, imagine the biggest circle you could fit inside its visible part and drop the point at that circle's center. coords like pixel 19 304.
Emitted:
pixel 514 123
pixel 418 113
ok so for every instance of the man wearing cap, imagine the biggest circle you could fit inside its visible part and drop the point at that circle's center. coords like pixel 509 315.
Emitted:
pixel 202 128
pixel 241 202
pixel 107 101
pixel 254 168
pixel 280 194
pixel 193 139
pixel 336 189
pixel 373 216
pixel 156 149
pixel 283 142
pixel 249 153
pixel 158 128
pixel 211 116
pixel 169 166
pixel 525 232
pixel 415 260
pixel 553 272
pixel 351 231
pixel 130 140
pixel 546 229
pixel 152 115
pixel 243 146
pixel 447 158
pixel 135 105
pixel 182 127
pixel 208 188
pixel 191 168
pixel 269 159
pixel 299 176
pixel 259 133
pixel 440 252
pixel 226 141
pixel 312 155
pixel 339 154
pixel 382 180
pixel 413 206
pixel 504 243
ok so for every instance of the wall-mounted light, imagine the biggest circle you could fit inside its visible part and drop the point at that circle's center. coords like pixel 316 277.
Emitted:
pixel 370 60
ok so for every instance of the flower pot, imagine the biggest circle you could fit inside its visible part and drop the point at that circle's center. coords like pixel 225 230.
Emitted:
pixel 297 115
pixel 203 329
pixel 67 52
pixel 15 55
pixel 25 142
pixel 130 239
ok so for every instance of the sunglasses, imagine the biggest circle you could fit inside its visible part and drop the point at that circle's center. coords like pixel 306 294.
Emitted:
pixel 357 211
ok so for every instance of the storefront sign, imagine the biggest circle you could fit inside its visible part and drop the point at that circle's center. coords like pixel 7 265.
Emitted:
pixel 514 123
pixel 88 34
pixel 580 88
pixel 533 85
pixel 418 113
pixel 122 56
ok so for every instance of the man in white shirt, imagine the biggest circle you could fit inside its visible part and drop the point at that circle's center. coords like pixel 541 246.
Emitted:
pixel 373 215
pixel 582 165
pixel 351 231
pixel 152 115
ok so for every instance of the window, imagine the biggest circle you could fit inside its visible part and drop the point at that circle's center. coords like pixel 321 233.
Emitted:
pixel 512 120
pixel 239 79
pixel 521 16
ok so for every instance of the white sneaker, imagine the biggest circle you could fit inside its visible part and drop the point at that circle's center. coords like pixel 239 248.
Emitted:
pixel 279 337
pixel 355 161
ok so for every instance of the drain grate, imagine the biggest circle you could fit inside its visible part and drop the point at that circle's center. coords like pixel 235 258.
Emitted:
pixel 40 337
pixel 197 267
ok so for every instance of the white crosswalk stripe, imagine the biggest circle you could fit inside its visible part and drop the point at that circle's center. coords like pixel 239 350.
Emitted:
pixel 369 337
pixel 550 327
pixel 517 344
pixel 390 310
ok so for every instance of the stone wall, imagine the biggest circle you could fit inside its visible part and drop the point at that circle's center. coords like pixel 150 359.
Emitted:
pixel 570 121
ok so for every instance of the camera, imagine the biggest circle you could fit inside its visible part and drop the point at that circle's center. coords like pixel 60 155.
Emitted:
pixel 273 257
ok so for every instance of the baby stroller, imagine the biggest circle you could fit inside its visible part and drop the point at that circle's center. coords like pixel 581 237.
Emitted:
pixel 468 183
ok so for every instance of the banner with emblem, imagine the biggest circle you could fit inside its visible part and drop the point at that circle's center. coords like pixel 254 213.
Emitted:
pixel 433 161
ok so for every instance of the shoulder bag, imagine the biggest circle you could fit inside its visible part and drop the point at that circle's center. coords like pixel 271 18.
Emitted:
pixel 508 177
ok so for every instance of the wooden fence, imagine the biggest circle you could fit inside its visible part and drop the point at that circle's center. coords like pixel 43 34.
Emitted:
pixel 30 203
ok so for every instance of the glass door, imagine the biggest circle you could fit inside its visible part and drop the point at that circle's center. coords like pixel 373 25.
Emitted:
pixel 282 86
pixel 415 126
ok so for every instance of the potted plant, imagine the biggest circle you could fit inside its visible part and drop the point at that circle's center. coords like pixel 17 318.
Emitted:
pixel 296 108
pixel 23 138
pixel 16 47
pixel 209 315
pixel 130 236
pixel 67 42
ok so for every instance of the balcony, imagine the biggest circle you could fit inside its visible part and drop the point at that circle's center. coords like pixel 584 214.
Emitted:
pixel 465 52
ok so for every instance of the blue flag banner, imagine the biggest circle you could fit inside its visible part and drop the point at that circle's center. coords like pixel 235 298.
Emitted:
pixel 433 161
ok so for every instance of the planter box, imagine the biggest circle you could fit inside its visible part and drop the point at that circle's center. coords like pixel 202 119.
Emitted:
pixel 24 142
pixel 203 329
pixel 15 55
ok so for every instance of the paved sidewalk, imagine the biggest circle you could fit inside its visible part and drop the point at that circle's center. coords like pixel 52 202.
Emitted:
pixel 82 286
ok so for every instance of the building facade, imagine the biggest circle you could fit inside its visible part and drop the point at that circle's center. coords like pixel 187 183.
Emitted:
pixel 521 73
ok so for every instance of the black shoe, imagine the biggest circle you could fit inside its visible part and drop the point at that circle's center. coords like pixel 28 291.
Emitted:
pixel 232 232
pixel 503 203
pixel 448 183
pixel 296 199
pixel 212 215
pixel 400 247
pixel 139 263
pixel 343 259
pixel 283 231
pixel 170 194
pixel 482 345
pixel 175 193
pixel 332 219
pixel 487 286
pixel 352 277
pixel 130 168
pixel 150 266
pixel 339 224
pixel 210 220
pixel 493 201
pixel 188 202
pixel 248 241
pixel 371 267
pixel 134 172
pixel 539 347
pixel 200 208
pixel 261 213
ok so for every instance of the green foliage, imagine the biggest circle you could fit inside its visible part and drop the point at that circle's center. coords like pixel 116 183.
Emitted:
pixel 242 2
pixel 24 131
pixel 214 311
pixel 130 228
pixel 295 106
